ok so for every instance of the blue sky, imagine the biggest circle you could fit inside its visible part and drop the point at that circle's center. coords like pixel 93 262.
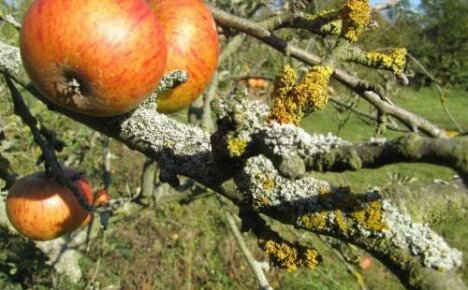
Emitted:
pixel 414 3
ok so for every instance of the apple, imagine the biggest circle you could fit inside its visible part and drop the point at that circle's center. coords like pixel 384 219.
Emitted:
pixel 366 262
pixel 257 83
pixel 41 209
pixel 96 57
pixel 101 197
pixel 192 42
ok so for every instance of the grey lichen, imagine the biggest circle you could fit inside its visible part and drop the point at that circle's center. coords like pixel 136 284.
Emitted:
pixel 403 233
pixel 10 60
pixel 154 132
pixel 172 80
pixel 285 139
pixel 303 196
pixel 288 146
pixel 283 192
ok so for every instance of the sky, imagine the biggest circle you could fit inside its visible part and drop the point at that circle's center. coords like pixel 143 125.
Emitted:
pixel 414 3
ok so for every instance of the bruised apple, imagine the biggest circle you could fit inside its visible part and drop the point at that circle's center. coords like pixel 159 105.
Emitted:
pixel 41 209
pixel 192 42
pixel 96 57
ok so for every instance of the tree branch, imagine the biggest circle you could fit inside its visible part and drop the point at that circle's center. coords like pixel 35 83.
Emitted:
pixel 417 254
pixel 412 121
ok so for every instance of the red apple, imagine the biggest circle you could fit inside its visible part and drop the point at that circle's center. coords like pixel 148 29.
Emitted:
pixel 101 197
pixel 366 262
pixel 192 42
pixel 41 209
pixel 97 57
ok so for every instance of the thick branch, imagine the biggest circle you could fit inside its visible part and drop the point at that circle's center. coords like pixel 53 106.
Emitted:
pixel 452 153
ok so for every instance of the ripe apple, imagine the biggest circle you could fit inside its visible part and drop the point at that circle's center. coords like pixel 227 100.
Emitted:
pixel 192 42
pixel 101 197
pixel 97 57
pixel 41 209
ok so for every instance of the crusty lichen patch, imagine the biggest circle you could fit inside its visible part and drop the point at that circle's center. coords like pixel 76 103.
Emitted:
pixel 291 101
pixel 315 221
pixel 236 146
pixel 291 256
pixel 370 217
pixel 393 61
pixel 355 16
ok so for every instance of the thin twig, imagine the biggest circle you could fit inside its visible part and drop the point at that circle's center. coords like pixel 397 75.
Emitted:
pixel 254 265
pixel 8 18
pixel 48 150
pixel 439 89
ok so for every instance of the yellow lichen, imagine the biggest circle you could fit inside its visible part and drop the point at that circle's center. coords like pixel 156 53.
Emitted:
pixel 291 102
pixel 323 190
pixel 236 146
pixel 314 221
pixel 394 61
pixel 262 201
pixel 370 217
pixel 268 183
pixel 311 258
pixel 282 255
pixel 332 27
pixel 355 16
pixel 340 221
pixel 290 256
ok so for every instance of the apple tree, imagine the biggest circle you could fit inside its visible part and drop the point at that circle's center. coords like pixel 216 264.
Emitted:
pixel 254 153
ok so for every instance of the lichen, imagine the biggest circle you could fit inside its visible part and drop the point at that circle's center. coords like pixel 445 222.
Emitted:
pixel 321 14
pixel 268 183
pixel 355 16
pixel 332 27
pixel 340 221
pixel 291 256
pixel 403 233
pixel 314 221
pixel 283 107
pixel 236 146
pixel 291 102
pixel 394 61
pixel 370 217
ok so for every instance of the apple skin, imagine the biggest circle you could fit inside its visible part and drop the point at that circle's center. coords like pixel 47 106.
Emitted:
pixel 41 209
pixel 96 57
pixel 101 197
pixel 193 46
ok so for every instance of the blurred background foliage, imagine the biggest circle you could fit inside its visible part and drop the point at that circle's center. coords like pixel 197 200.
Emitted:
pixel 182 241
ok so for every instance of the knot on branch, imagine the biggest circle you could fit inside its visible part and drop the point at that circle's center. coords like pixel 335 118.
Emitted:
pixel 243 133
